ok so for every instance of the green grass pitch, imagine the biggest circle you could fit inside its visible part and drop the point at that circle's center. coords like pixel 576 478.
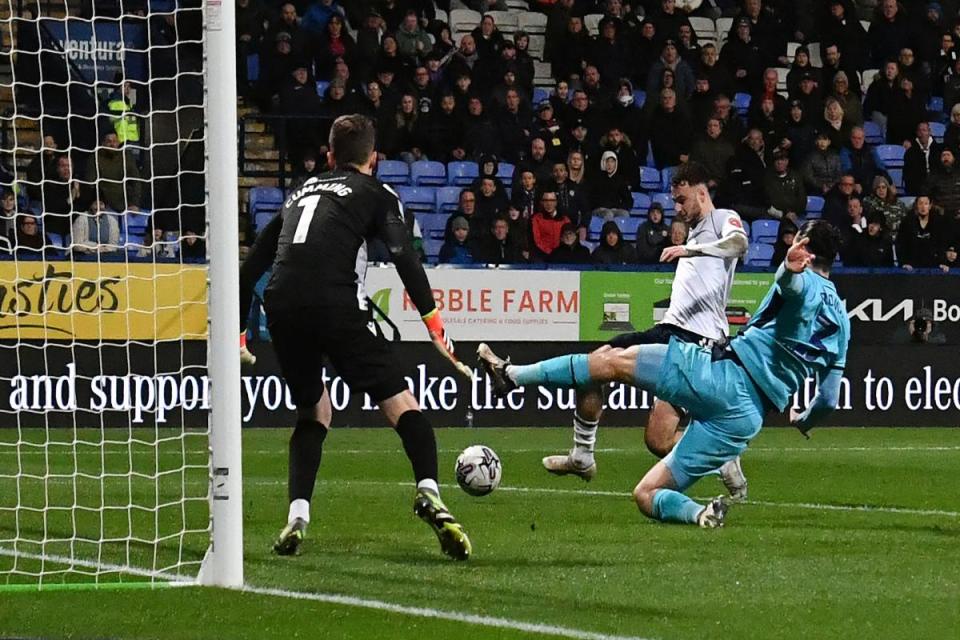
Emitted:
pixel 854 533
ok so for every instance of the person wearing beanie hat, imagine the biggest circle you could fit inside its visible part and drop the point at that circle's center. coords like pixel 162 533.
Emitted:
pixel 872 248
pixel 459 249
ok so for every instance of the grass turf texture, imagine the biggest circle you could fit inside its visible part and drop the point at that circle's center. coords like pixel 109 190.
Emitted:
pixel 549 552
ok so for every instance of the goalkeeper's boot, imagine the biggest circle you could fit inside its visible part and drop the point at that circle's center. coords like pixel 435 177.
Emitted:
pixel 731 473
pixel 713 515
pixel 454 542
pixel 496 368
pixel 246 356
pixel 569 465
pixel 289 541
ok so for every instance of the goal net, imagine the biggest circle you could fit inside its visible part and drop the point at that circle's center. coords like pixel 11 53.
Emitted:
pixel 108 469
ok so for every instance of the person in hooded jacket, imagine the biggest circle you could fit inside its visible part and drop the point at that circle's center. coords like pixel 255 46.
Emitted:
pixel 612 249
pixel 570 250
pixel 611 191
pixel 488 167
pixel 653 236
pixel 460 249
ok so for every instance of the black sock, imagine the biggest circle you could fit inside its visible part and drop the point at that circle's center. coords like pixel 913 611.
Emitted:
pixel 420 444
pixel 306 448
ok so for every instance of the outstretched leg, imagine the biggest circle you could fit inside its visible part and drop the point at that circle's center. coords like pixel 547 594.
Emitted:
pixel 658 497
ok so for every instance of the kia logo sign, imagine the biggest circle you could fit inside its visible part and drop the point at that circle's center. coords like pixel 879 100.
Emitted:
pixel 873 310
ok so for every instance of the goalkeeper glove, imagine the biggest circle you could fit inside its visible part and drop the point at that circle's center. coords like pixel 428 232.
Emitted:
pixel 246 357
pixel 443 343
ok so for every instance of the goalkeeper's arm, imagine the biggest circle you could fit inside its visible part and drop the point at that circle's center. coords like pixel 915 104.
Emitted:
pixel 824 402
pixel 258 261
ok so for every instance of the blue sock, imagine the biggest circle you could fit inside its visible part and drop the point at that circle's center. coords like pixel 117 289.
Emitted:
pixel 562 371
pixel 673 506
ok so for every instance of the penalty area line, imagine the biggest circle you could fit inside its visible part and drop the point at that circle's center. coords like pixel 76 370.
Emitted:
pixel 439 614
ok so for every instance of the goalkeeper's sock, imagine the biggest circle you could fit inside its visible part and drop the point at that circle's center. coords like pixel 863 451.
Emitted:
pixel 299 508
pixel 673 506
pixel 562 371
pixel 420 444
pixel 584 440
pixel 306 449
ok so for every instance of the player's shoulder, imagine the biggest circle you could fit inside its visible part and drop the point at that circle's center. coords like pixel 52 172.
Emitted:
pixel 728 218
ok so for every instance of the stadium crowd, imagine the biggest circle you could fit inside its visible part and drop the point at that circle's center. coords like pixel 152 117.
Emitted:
pixel 779 126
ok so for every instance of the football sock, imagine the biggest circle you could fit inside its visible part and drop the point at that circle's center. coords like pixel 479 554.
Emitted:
pixel 584 439
pixel 299 508
pixel 306 448
pixel 562 371
pixel 420 445
pixel 673 506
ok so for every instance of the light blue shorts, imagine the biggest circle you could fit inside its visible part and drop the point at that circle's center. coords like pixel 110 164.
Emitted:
pixel 725 406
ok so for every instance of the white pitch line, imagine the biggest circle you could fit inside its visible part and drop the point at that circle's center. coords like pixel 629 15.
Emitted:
pixel 178 580
pixel 440 614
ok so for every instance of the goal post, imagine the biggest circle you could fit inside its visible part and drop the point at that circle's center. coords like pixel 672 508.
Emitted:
pixel 120 414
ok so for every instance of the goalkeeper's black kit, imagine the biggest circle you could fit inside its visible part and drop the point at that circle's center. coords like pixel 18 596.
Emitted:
pixel 315 299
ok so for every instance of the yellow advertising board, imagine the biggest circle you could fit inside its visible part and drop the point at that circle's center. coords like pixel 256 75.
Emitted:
pixel 102 301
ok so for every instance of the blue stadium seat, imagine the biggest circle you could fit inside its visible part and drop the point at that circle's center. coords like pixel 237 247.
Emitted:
pixel 393 172
pixel 666 175
pixel 666 201
pixel 462 174
pixel 253 67
pixel 935 104
pixel 432 225
pixel 650 178
pixel 759 255
pixel 264 200
pixel 322 86
pixel 907 201
pixel 593 231
pixel 639 97
pixel 937 130
pixel 431 247
pixel 418 199
pixel 138 221
pixel 641 203
pixel 764 231
pixel 628 226
pixel 540 95
pixel 427 173
pixel 505 173
pixel 873 132
pixel 896 175
pixel 891 155
pixel 741 103
pixel 448 199
pixel 814 207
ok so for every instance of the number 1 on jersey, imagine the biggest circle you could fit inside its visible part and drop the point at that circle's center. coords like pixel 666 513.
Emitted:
pixel 309 206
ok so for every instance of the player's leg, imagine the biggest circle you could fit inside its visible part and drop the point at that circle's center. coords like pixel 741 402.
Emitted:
pixel 658 497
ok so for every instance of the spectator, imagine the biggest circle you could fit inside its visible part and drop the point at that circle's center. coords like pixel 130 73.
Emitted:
pixel 610 53
pixel 546 226
pixel 917 160
pixel 871 248
pixel 611 191
pixel 713 151
pixel 943 67
pixel 27 240
pixel 846 31
pixel 577 171
pixel 598 92
pixel 524 66
pixel 547 128
pixel 951 87
pixel 95 231
pixel 733 129
pixel 571 200
pixel 480 133
pixel 799 69
pixel 536 161
pixel 298 97
pixel 668 19
pixel 489 167
pixel 61 197
pixel 459 249
pixel 423 90
pixel 835 202
pixel 822 170
pixel 835 124
pixel 465 59
pixel 769 123
pixel 250 19
pixel 500 247
pixel 849 100
pixel 721 80
pixel 442 132
pixel 917 72
pixel 950 258
pixel 858 158
pixel 700 104
pixel 743 58
pixel 833 65
pixel 153 242
pixel 670 135
pixel 682 73
pixel 890 31
pixel 405 130
pixel 560 99
pixel 42 167
pixel 688 46
pixel 412 41
pixel 520 231
pixel 382 114
pixel 391 59
pixel 514 127
pixel 765 29
pixel 768 91
pixel 193 247
pixel 786 234
pixel 558 18
pixel 570 250
pixel 489 203
pixel 944 184
pixel 678 233
pixel 467 209
pixel 743 188
pixel 335 44
pixel 783 188
pixel 881 92
pixel 907 110
pixel 856 224
pixel 570 51
pixel 883 201
pixel 337 102
pixel 368 43
pixel 308 168
pixel 115 175
pixel 488 38
pixel 320 14
pixel 524 197
pixel 809 94
pixel 921 237
pixel 612 249
pixel 652 236
pixel 627 162
pixel 951 138
pixel 8 213
pixel 800 134
pixel 583 111
pixel 288 22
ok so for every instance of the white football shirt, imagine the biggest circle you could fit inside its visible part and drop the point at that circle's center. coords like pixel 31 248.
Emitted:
pixel 701 286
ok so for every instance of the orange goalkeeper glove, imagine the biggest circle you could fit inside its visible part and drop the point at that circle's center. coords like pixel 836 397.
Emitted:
pixel 443 343
pixel 246 357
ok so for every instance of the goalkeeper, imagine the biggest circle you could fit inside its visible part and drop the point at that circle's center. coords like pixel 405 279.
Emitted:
pixel 316 306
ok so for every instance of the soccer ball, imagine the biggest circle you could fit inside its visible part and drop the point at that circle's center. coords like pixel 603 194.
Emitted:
pixel 478 470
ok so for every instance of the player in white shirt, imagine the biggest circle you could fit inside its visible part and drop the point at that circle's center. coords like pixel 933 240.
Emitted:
pixel 697 313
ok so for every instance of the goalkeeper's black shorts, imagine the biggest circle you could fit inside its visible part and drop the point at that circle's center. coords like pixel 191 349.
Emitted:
pixel 362 358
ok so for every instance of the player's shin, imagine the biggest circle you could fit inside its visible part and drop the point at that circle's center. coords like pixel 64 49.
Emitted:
pixel 584 439
pixel 306 450
pixel 673 506
pixel 420 445
pixel 562 371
